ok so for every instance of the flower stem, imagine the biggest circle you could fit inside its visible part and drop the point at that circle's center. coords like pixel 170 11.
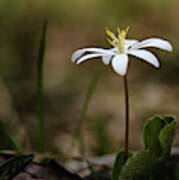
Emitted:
pixel 127 117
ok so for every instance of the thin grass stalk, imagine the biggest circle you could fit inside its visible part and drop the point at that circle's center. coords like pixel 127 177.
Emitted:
pixel 90 90
pixel 40 108
pixel 86 102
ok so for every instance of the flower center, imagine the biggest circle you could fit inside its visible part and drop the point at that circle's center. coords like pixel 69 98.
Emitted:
pixel 119 41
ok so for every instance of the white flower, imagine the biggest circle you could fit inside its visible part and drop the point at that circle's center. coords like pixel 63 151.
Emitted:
pixel 122 47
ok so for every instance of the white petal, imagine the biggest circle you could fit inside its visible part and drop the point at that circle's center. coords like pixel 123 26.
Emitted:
pixel 77 54
pixel 130 42
pixel 146 56
pixel 120 64
pixel 80 52
pixel 157 43
pixel 88 56
pixel 106 59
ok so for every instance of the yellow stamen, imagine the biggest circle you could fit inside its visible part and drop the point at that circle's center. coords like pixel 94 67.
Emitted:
pixel 119 41
pixel 119 30
pixel 111 34
pixel 122 34
pixel 127 29
pixel 111 42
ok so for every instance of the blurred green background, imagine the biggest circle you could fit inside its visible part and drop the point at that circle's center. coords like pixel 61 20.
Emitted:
pixel 77 24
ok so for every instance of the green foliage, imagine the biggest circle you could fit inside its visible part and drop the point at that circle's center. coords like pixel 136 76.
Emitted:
pixel 158 136
pixel 166 139
pixel 143 163
pixel 15 165
pixel 147 163
pixel 40 63
pixel 119 161
pixel 7 142
pixel 151 131
pixel 118 164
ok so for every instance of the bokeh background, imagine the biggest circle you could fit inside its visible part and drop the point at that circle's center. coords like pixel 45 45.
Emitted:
pixel 72 25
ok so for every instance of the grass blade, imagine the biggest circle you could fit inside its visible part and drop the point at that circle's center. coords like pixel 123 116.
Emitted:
pixel 90 90
pixel 40 111
pixel 86 102
pixel 7 142
pixel 78 131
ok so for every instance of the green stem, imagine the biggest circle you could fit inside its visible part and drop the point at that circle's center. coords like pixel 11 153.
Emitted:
pixel 127 117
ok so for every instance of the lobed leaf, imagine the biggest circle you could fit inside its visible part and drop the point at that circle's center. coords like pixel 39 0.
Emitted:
pixel 151 133
pixel 119 162
pixel 140 165
pixel 166 138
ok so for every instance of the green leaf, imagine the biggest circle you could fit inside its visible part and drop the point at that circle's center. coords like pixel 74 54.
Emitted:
pixel 7 142
pixel 152 130
pixel 166 139
pixel 151 133
pixel 14 166
pixel 40 65
pixel 141 165
pixel 119 161
pixel 146 164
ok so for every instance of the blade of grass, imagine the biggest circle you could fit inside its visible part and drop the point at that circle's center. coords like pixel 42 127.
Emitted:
pixel 40 110
pixel 78 131
pixel 84 109
pixel 8 142
pixel 86 102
